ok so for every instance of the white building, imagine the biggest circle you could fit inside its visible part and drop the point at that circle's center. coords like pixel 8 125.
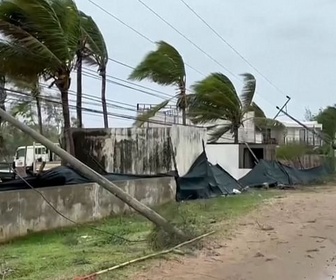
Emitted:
pixel 295 133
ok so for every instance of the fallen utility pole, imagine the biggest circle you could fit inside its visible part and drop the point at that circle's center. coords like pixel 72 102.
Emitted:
pixel 96 177
pixel 327 140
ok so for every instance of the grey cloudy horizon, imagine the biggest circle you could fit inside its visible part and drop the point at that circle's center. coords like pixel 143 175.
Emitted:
pixel 290 42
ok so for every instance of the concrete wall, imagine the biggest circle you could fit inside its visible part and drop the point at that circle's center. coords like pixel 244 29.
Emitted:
pixel 140 150
pixel 232 156
pixel 26 211
pixel 227 156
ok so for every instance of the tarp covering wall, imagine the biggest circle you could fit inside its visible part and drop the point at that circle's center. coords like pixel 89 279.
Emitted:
pixel 274 173
pixel 63 175
pixel 205 180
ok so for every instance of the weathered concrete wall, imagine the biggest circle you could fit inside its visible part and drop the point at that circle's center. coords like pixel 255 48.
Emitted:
pixel 25 211
pixel 139 150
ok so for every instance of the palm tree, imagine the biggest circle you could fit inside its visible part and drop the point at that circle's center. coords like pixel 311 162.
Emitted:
pixel 40 38
pixel 215 100
pixel 34 88
pixel 3 96
pixel 163 66
pixel 94 52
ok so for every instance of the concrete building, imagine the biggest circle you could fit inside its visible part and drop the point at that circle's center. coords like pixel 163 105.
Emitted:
pixel 249 132
pixel 295 133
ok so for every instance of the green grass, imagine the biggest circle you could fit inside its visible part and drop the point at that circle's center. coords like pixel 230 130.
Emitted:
pixel 64 254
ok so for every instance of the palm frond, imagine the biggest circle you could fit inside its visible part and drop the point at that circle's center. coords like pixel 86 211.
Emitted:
pixel 248 90
pixel 145 117
pixel 18 61
pixel 218 132
pixel 94 41
pixel 43 34
pixel 164 66
pixel 17 34
pixel 68 20
pixel 215 98
pixel 266 123
pixel 258 112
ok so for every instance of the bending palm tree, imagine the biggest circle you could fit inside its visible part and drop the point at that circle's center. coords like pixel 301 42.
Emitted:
pixel 165 67
pixel 40 38
pixel 35 91
pixel 216 101
pixel 94 52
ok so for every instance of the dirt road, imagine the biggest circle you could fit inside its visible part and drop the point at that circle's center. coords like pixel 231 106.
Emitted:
pixel 291 237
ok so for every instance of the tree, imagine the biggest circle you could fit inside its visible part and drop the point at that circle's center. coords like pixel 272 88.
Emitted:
pixel 163 66
pixel 41 38
pixel 3 97
pixel 25 108
pixel 327 117
pixel 26 105
pixel 216 100
pixel 94 52
pixel 262 122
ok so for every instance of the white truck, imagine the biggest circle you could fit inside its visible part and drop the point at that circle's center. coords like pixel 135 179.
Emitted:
pixel 30 157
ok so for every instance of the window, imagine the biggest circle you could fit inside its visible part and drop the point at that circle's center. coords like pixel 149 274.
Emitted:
pixel 21 153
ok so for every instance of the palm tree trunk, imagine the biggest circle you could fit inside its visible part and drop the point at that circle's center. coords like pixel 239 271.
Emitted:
pixel 79 89
pixel 63 84
pixel 3 94
pixel 236 134
pixel 103 97
pixel 184 103
pixel 39 114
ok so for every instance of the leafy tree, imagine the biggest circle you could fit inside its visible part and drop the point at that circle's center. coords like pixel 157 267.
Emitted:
pixel 327 117
pixel 25 109
pixel 216 100
pixel 26 104
pixel 163 66
pixel 94 53
pixel 41 38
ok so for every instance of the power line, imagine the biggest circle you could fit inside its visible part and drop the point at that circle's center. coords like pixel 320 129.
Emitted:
pixel 185 37
pixel 129 82
pixel 231 47
pixel 90 75
pixel 67 218
pixel 195 45
pixel 134 30
pixel 121 63
pixel 95 111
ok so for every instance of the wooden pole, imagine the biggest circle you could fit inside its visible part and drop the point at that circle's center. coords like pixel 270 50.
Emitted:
pixel 96 177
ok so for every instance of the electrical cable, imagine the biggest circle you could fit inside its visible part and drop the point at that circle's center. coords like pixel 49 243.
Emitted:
pixel 231 47
pixel 134 30
pixel 67 218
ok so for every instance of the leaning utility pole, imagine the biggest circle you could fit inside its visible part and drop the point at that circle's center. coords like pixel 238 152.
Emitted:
pixel 327 140
pixel 96 177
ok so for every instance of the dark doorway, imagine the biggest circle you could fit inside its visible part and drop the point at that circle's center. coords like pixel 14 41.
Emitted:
pixel 249 161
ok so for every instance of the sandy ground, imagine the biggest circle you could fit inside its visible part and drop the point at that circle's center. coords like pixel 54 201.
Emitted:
pixel 291 237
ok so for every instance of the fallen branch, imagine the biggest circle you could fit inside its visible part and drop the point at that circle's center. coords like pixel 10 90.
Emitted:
pixel 94 275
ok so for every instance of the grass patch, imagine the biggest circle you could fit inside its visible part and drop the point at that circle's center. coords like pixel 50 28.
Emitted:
pixel 64 254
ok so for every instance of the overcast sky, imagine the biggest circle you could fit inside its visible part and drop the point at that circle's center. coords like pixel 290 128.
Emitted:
pixel 291 42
